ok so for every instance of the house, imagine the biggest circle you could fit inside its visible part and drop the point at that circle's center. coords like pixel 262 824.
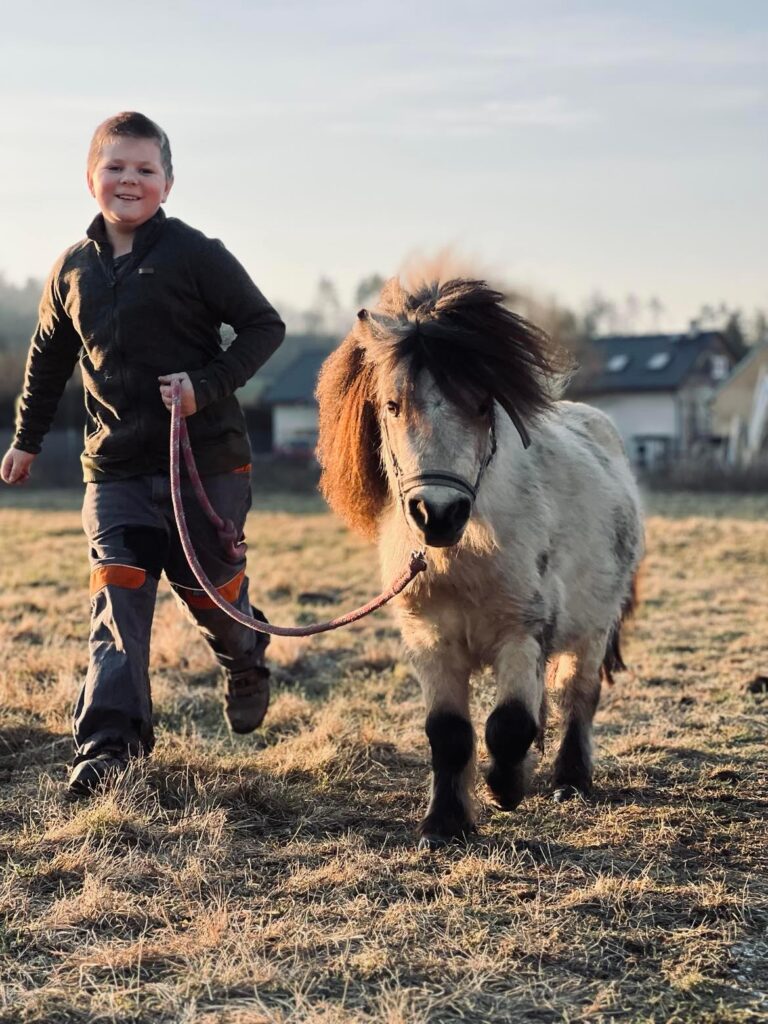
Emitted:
pixel 292 399
pixel 254 391
pixel 740 407
pixel 658 389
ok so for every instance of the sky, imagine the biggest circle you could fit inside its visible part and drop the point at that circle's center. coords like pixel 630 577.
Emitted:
pixel 571 147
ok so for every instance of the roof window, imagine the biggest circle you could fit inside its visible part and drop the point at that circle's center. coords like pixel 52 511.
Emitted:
pixel 658 361
pixel 617 363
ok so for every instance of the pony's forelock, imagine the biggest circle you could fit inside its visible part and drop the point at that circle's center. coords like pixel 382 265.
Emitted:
pixel 461 331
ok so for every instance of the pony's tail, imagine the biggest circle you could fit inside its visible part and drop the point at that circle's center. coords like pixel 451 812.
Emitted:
pixel 613 660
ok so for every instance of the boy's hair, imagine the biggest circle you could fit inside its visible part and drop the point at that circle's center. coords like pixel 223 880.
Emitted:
pixel 135 126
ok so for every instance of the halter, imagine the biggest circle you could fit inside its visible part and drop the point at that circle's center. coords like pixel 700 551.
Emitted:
pixel 441 478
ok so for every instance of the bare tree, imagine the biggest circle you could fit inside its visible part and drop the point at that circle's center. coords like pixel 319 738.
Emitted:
pixel 368 288
pixel 600 316
pixel 656 308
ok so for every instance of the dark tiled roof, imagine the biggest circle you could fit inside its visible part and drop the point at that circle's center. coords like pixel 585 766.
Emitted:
pixel 298 380
pixel 683 350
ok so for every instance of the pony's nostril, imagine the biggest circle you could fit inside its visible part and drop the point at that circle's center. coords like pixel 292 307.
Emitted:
pixel 417 508
pixel 458 513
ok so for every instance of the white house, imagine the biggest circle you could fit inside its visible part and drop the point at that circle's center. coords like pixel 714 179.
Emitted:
pixel 658 389
pixel 294 410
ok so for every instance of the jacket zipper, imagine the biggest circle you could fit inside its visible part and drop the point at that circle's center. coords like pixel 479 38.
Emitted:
pixel 109 270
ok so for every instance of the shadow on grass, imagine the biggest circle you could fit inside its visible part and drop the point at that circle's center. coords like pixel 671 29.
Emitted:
pixel 25 745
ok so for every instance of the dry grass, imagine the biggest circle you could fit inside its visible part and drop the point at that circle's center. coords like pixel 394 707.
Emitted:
pixel 276 879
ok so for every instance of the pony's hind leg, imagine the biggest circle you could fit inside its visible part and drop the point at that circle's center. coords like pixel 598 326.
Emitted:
pixel 578 677
pixel 517 719
pixel 444 677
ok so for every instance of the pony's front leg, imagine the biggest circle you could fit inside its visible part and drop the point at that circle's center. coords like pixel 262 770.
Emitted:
pixel 517 719
pixel 444 676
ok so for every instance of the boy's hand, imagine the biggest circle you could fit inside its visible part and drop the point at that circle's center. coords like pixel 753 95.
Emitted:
pixel 15 466
pixel 188 401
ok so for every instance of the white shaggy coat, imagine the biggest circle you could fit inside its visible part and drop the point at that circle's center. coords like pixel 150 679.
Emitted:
pixel 539 567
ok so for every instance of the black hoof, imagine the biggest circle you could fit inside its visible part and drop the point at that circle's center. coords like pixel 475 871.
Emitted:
pixel 437 832
pixel 507 788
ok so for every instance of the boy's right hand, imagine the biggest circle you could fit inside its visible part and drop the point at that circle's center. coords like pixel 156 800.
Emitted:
pixel 15 466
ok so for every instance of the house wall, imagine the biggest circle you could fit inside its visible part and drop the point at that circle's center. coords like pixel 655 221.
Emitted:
pixel 649 425
pixel 640 415
pixel 294 427
pixel 736 396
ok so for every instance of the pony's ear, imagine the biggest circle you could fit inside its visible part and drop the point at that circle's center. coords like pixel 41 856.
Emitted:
pixel 348 446
pixel 392 297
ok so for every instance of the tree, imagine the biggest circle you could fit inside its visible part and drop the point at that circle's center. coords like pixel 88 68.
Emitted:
pixel 323 315
pixel 630 314
pixel 733 333
pixel 368 288
pixel 656 308
pixel 18 313
pixel 600 316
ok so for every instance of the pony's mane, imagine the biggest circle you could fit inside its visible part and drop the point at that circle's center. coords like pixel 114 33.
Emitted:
pixel 352 480
pixel 461 333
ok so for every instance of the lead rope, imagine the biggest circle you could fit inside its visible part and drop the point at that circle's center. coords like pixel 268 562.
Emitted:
pixel 235 551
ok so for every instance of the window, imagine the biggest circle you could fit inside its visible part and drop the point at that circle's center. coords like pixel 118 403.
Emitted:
pixel 658 361
pixel 719 367
pixel 617 363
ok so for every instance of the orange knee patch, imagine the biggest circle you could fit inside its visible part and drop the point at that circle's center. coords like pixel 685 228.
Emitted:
pixel 127 576
pixel 199 599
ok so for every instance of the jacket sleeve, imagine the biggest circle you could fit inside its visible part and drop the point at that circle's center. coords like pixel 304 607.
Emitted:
pixel 53 353
pixel 234 299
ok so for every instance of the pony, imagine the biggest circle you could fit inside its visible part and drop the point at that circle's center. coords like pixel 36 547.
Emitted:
pixel 441 426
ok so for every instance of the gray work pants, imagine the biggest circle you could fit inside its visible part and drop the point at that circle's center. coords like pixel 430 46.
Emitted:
pixel 133 538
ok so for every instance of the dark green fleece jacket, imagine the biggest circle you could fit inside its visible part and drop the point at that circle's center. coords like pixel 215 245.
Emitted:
pixel 156 312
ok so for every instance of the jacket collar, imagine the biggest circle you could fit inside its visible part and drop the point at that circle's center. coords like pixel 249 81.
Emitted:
pixel 142 239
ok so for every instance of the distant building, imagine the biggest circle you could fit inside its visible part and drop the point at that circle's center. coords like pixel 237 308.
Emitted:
pixel 658 389
pixel 740 407
pixel 291 397
pixel 254 392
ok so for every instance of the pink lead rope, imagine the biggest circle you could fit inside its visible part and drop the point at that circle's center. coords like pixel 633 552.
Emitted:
pixel 235 551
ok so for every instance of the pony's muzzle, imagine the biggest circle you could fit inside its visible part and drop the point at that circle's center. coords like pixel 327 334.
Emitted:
pixel 441 523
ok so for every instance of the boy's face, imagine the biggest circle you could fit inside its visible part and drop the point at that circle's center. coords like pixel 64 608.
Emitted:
pixel 128 181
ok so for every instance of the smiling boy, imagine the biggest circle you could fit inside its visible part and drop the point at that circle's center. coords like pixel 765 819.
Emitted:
pixel 140 302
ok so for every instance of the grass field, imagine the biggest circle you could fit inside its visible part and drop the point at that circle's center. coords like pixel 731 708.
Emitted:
pixel 275 878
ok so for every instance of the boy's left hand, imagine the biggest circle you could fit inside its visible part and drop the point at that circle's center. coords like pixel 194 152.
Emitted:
pixel 188 401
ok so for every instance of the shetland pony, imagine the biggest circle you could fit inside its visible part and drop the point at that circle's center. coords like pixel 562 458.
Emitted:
pixel 440 428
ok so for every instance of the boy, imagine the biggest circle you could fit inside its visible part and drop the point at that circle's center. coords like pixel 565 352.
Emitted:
pixel 140 301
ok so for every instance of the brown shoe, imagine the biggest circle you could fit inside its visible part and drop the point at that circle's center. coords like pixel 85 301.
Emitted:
pixel 247 698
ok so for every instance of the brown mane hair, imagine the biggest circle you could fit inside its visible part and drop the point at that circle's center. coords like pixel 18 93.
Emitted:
pixel 471 344
pixel 352 481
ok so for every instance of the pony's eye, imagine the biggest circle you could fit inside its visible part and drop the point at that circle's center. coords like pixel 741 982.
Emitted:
pixel 393 408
